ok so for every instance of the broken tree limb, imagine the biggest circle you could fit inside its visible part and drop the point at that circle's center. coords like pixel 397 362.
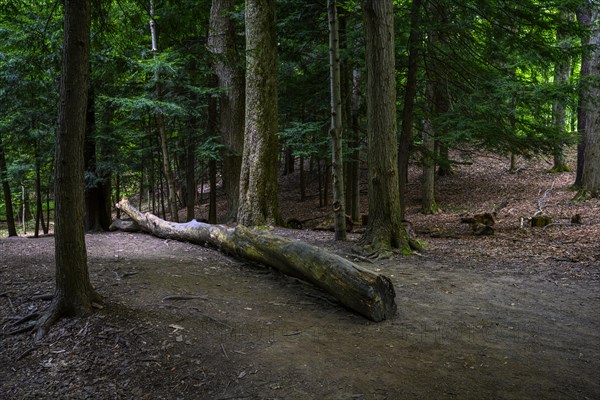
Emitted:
pixel 363 291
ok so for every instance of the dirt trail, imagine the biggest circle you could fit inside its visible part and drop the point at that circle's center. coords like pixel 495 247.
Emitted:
pixel 509 316
pixel 464 330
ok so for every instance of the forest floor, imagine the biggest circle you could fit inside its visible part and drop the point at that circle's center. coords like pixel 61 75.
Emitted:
pixel 509 316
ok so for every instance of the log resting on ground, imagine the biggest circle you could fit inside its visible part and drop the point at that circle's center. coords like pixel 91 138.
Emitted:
pixel 365 292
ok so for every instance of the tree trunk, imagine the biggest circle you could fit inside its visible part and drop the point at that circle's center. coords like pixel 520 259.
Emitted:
pixel 289 160
pixel 96 196
pixel 118 191
pixel 336 129
pixel 384 230
pixel 47 227
pixel 160 122
pixel 10 216
pixel 590 178
pixel 211 129
pixel 562 72
pixel 439 77
pixel 226 64
pixel 259 204
pixel 212 198
pixel 190 174
pixel 410 93
pixel 584 17
pixel 39 212
pixel 365 292
pixel 74 293
pixel 428 204
pixel 354 186
pixel 302 180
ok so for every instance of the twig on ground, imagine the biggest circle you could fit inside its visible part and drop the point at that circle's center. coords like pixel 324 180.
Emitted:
pixel 26 353
pixel 26 318
pixel 224 352
pixel 184 297
pixel 45 296
pixel 12 307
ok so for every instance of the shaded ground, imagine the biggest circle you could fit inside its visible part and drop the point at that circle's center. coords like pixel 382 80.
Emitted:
pixel 512 316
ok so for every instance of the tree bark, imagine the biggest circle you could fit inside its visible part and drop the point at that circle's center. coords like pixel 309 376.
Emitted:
pixel 562 72
pixel 384 230
pixel 354 185
pixel 336 128
pixel 74 294
pixel 39 212
pixel 428 204
pixel 410 93
pixel 211 129
pixel 227 67
pixel 590 178
pixel 160 122
pixel 96 196
pixel 365 292
pixel 10 215
pixel 190 174
pixel 259 204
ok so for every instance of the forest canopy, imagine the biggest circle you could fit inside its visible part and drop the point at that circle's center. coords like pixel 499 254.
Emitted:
pixel 490 75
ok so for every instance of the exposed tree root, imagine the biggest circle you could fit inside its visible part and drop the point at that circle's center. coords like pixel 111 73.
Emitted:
pixel 28 326
pixel 57 310
pixel 416 245
pixel 373 251
pixel 583 195
pixel 46 321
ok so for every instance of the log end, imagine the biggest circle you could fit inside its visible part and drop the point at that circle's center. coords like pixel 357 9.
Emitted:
pixel 383 305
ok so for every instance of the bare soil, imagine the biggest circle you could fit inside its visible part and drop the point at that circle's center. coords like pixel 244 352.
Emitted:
pixel 508 316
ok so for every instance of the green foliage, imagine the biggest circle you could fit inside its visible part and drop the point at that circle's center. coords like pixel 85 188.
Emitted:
pixel 210 148
pixel 306 139
pixel 494 58
pixel 497 59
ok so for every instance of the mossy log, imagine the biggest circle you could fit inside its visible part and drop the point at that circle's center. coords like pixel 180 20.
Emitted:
pixel 365 292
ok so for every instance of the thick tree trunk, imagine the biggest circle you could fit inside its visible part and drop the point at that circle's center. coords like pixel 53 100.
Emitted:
pixel 365 292
pixel 385 230
pixel 10 215
pixel 259 204
pixel 226 64
pixel 589 112
pixel 336 129
pixel 590 179
pixel 74 293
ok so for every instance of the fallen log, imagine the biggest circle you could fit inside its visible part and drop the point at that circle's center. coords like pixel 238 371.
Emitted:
pixel 363 291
